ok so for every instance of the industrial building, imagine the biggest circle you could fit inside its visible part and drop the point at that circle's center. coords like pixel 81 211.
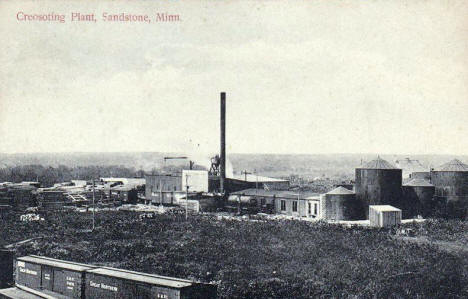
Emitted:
pixel 42 277
pixel 212 187
pixel 163 188
pixel 378 182
pixel 298 204
pixel 125 194
pixel 246 181
pixel 451 187
pixel 241 182
pixel 341 204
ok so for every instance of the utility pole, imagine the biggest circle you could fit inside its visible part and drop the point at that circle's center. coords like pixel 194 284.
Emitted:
pixel 94 207
pixel 160 193
pixel 256 180
pixel 186 197
pixel 245 173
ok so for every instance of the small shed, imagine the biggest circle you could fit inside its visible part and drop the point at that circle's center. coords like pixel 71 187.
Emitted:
pixel 384 216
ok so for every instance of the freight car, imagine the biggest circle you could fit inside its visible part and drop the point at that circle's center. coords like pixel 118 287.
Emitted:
pixel 110 283
pixel 52 278
pixel 51 275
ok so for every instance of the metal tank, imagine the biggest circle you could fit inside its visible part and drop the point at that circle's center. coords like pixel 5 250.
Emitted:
pixel 340 204
pixel 418 197
pixel 451 188
pixel 377 183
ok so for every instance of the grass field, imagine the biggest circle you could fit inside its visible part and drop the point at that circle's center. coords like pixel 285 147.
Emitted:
pixel 274 259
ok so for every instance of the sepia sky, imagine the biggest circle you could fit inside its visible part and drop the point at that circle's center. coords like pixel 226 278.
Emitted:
pixel 300 77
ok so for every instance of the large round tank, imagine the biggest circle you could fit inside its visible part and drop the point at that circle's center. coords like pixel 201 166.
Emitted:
pixel 418 197
pixel 451 187
pixel 377 183
pixel 341 204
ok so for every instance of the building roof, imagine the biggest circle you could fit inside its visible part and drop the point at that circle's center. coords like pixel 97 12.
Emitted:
pixel 411 165
pixel 340 191
pixel 123 188
pixel 454 165
pixel 384 208
pixel 378 163
pixel 418 183
pixel 255 178
pixel 55 263
pixel 21 187
pixel 143 277
pixel 125 181
pixel 276 193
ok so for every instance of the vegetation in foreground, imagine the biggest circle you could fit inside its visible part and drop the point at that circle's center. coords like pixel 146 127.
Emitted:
pixel 261 259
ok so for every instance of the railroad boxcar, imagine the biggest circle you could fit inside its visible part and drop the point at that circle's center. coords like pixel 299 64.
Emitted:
pixel 105 282
pixel 47 274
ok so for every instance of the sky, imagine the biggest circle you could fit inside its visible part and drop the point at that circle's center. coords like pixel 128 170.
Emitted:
pixel 383 77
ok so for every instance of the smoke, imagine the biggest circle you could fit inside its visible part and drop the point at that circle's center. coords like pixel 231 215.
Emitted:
pixel 229 169
pixel 197 153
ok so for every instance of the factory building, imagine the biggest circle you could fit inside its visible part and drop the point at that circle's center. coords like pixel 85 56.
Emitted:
pixel 125 194
pixel 289 203
pixel 299 205
pixel 451 187
pixel 241 182
pixel 418 197
pixel 163 188
pixel 195 180
pixel 341 204
pixel 378 182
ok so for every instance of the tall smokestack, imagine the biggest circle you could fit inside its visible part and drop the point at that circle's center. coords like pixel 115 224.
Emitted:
pixel 223 143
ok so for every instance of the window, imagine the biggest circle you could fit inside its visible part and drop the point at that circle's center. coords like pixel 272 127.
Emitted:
pixel 310 208
pixel 262 201
pixel 315 209
pixel 294 206
pixel 283 205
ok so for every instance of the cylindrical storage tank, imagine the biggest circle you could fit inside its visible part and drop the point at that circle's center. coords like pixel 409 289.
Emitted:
pixel 418 197
pixel 378 182
pixel 6 268
pixel 451 188
pixel 340 204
